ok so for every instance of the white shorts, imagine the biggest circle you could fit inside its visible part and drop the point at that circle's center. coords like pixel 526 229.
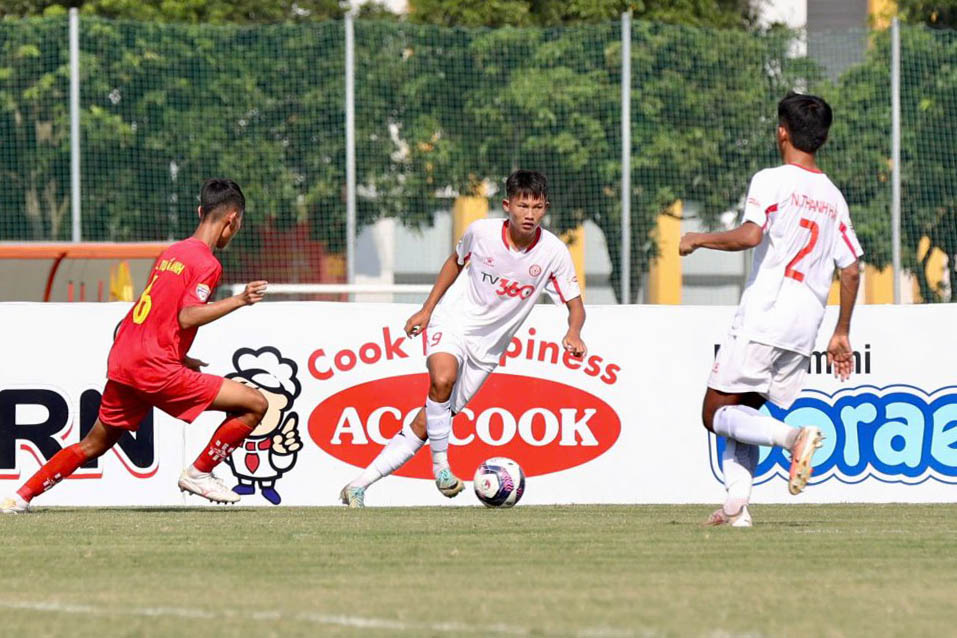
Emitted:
pixel 747 366
pixel 471 375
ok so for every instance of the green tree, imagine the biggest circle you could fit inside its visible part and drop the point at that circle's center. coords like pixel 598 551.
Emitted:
pixel 550 98
pixel 548 13
pixel 191 11
pixel 940 14
pixel 34 130
pixel 862 165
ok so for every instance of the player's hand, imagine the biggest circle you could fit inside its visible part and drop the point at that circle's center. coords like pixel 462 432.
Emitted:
pixel 687 246
pixel 254 292
pixel 574 345
pixel 287 440
pixel 417 323
pixel 194 364
pixel 840 356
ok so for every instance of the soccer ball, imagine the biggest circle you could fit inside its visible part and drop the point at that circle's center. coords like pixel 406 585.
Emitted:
pixel 499 482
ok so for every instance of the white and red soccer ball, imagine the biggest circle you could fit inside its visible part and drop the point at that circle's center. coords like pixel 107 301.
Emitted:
pixel 499 482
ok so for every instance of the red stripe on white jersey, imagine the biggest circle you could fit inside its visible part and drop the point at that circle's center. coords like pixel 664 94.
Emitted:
pixel 773 208
pixel 538 235
pixel 557 289
pixel 816 171
pixel 847 240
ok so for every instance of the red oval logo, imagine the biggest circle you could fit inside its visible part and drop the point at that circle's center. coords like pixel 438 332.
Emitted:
pixel 545 426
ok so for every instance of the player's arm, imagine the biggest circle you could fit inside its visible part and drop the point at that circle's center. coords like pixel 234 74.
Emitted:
pixel 839 352
pixel 747 235
pixel 447 275
pixel 201 314
pixel 576 319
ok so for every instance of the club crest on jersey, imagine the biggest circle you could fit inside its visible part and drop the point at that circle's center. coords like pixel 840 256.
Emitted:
pixel 488 261
pixel 534 270
pixel 202 292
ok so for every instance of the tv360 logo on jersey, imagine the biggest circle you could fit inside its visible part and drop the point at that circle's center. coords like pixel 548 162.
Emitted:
pixel 509 288
pixel 550 426
pixel 896 434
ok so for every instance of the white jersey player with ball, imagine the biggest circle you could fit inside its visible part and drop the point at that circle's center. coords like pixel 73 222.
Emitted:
pixel 468 325
pixel 798 223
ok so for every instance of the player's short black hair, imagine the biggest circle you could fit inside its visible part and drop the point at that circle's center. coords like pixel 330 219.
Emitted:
pixel 529 183
pixel 807 119
pixel 221 194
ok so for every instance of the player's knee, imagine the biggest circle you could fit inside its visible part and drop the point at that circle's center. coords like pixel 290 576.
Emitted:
pixel 441 386
pixel 257 404
pixel 93 448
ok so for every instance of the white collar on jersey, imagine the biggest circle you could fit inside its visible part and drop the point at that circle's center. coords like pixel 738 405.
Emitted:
pixel 538 235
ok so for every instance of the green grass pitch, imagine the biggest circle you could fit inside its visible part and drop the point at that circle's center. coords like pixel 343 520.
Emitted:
pixel 803 570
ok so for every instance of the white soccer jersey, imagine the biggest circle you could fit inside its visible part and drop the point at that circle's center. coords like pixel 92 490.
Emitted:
pixel 807 232
pixel 502 285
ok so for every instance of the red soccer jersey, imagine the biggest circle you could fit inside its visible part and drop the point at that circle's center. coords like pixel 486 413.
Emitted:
pixel 150 344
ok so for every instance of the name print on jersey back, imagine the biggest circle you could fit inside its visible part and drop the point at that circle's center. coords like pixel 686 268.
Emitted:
pixel 807 232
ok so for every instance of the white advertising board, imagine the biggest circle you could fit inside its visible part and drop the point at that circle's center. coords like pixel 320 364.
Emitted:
pixel 621 426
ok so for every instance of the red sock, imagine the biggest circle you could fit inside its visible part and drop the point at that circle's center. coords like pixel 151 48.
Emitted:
pixel 225 439
pixel 63 464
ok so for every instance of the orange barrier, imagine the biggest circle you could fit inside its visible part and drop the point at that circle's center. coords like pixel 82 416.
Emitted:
pixel 83 250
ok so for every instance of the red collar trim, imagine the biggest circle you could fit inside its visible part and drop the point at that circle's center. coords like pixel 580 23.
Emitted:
pixel 809 170
pixel 538 235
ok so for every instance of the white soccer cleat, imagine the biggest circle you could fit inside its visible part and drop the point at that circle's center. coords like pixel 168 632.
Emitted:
pixel 808 440
pixel 733 514
pixel 354 497
pixel 14 505
pixel 741 518
pixel 207 486
pixel 448 483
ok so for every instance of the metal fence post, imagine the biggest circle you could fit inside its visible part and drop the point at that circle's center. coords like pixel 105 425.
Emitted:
pixel 76 234
pixel 626 157
pixel 896 157
pixel 350 150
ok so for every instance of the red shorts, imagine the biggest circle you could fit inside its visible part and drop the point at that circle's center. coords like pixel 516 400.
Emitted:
pixel 185 397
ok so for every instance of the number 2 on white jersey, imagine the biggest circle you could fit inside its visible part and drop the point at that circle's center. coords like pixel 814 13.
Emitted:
pixel 789 270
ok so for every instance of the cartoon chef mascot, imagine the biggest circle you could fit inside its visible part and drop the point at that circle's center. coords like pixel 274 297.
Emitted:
pixel 271 448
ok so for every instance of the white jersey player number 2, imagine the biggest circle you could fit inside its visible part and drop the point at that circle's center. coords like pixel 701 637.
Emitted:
pixel 790 270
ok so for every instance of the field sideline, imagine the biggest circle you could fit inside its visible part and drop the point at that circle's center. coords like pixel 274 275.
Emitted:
pixel 829 570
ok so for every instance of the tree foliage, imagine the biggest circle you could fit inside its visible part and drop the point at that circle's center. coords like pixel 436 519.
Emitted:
pixel 940 14
pixel 547 13
pixel 860 158
pixel 443 111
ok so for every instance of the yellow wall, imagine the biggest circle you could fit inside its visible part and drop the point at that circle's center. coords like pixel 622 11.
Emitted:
pixel 465 211
pixel 881 12
pixel 936 265
pixel 664 274
pixel 575 240
pixel 878 285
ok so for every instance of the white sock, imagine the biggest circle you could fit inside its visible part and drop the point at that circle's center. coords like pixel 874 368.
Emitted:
pixel 438 423
pixel 394 455
pixel 192 472
pixel 747 425
pixel 738 462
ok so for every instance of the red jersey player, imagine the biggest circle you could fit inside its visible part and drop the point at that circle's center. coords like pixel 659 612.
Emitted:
pixel 148 365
